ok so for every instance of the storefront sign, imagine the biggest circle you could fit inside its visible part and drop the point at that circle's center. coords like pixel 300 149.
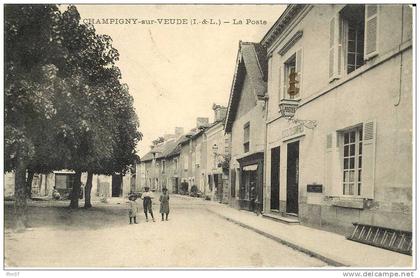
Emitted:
pixel 292 131
pixel 252 167
pixel 314 188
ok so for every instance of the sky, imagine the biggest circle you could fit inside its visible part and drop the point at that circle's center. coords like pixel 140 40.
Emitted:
pixel 176 72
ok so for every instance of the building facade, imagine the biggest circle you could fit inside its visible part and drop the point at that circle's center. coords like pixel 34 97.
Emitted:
pixel 339 117
pixel 218 157
pixel 245 123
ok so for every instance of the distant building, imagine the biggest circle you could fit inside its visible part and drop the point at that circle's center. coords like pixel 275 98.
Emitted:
pixel 159 167
pixel 217 157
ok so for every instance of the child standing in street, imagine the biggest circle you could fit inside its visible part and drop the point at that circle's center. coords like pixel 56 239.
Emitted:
pixel 164 203
pixel 132 208
pixel 147 197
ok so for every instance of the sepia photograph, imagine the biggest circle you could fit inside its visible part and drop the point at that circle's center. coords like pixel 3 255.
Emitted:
pixel 216 136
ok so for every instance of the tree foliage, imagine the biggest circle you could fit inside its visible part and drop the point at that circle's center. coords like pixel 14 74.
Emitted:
pixel 65 105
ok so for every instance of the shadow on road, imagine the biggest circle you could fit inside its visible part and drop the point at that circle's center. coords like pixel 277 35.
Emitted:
pixel 58 216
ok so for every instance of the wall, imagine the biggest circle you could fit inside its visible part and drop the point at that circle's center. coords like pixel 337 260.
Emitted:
pixel 185 157
pixel 215 136
pixel 255 115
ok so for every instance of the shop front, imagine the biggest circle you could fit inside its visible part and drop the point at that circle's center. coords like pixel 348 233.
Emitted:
pixel 251 182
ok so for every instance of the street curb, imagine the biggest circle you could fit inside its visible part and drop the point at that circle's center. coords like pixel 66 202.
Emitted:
pixel 311 253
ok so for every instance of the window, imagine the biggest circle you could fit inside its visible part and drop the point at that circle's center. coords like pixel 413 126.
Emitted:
pixel 353 29
pixel 232 183
pixel 163 166
pixel 198 154
pixel 176 164
pixel 291 79
pixel 246 137
pixel 186 163
pixel 352 161
pixel 353 38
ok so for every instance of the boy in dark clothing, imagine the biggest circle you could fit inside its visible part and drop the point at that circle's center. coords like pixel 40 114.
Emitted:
pixel 147 197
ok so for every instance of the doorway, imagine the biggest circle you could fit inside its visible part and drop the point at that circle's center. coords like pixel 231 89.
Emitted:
pixel 116 185
pixel 176 186
pixel 292 204
pixel 275 179
pixel 218 185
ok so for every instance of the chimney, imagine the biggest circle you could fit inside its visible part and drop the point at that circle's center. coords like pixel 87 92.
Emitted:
pixel 219 112
pixel 202 122
pixel 179 131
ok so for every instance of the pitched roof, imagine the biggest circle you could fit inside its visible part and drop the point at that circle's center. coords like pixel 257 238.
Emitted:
pixel 177 150
pixel 252 60
pixel 161 150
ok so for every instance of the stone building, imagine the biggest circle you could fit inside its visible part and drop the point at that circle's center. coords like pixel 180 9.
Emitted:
pixel 154 166
pixel 192 159
pixel 339 118
pixel 245 123
pixel 218 154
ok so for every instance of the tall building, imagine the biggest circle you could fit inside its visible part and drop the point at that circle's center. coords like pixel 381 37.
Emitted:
pixel 339 116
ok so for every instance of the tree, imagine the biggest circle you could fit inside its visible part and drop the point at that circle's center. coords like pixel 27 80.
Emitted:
pixel 110 137
pixel 62 89
pixel 30 46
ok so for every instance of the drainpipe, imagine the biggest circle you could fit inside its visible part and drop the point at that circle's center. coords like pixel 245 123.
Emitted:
pixel 265 153
pixel 401 56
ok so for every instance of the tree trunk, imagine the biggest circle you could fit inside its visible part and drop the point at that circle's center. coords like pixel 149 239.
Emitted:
pixel 29 183
pixel 88 189
pixel 20 208
pixel 74 203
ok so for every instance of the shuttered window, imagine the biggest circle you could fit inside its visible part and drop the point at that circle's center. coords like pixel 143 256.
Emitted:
pixel 353 38
pixel 246 137
pixel 350 161
pixel 292 76
pixel 292 79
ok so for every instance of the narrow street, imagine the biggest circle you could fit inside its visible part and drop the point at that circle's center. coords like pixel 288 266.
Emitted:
pixel 102 237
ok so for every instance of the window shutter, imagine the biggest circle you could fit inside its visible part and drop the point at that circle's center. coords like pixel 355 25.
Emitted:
pixel 328 165
pixel 281 81
pixel 335 48
pixel 332 165
pixel 283 94
pixel 299 67
pixel 371 31
pixel 368 159
pixel 339 33
pixel 331 50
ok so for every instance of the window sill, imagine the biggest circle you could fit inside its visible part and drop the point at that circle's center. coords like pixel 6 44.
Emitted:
pixel 348 202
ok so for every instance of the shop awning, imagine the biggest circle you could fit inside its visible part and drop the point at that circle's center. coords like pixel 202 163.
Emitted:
pixel 252 167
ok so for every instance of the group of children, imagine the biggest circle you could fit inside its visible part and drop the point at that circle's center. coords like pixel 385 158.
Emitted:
pixel 147 197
